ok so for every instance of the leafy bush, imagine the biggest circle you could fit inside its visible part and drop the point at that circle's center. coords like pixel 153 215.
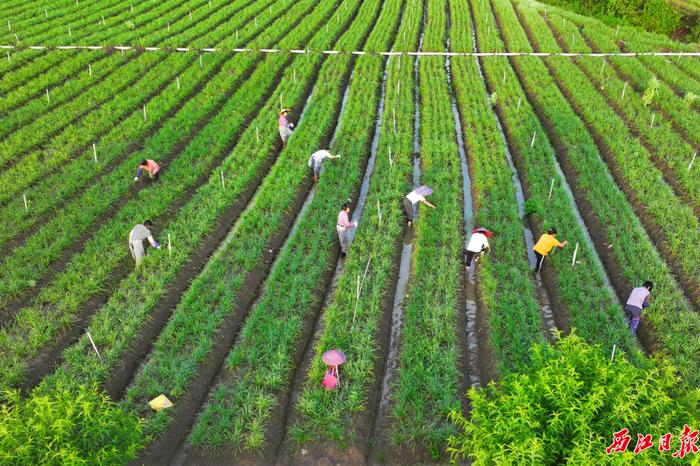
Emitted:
pixel 567 405
pixel 67 428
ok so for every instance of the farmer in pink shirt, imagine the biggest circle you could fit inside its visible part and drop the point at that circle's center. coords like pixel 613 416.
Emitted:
pixel 638 300
pixel 344 224
pixel 285 126
pixel 149 166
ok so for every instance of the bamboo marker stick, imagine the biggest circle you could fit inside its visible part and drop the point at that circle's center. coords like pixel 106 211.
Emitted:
pixel 90 69
pixel 94 151
pixel 551 187
pixel 223 183
pixel 177 80
pixel 379 213
pixel 144 112
pixel 24 198
pixel 573 261
pixel 48 98
pixel 690 165
pixel 519 100
pixel 257 134
pixel 93 345
pixel 532 143
pixel 617 31
pixel 653 116
pixel 612 356
pixel 170 245
pixel 624 88
pixel 8 57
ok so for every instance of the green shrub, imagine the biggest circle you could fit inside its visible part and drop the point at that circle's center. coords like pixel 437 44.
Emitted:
pixel 83 428
pixel 566 407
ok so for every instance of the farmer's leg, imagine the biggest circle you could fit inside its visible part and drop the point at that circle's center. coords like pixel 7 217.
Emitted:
pixel 408 209
pixel 540 261
pixel 138 251
pixel 470 256
pixel 131 250
pixel 343 238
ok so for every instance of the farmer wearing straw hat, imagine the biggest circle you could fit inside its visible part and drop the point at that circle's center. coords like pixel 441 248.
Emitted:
pixel 413 198
pixel 285 126
pixel 478 245
pixel 149 166
pixel 343 226
pixel 316 161
pixel 544 246
pixel 138 234
pixel 638 300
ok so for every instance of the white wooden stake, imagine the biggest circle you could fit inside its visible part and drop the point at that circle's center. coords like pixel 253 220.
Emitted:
pixel 236 34
pixel 603 67
pixel 46 13
pixel 144 112
pixel 379 213
pixel 391 159
pixel 90 69
pixel 653 116
pixel 200 61
pixel 573 261
pixel 294 74
pixel 223 183
pixel 519 100
pixel 690 165
pixel 48 98
pixel 8 25
pixel 94 152
pixel 93 345
pixel 168 26
pixel 612 356
pixel 177 80
pixel 573 39
pixel 504 76
pixel 257 134
pixel 624 88
pixel 393 112
pixel 532 143
pixel 551 187
pixel 24 198
pixel 190 16
pixel 103 21
pixel 617 31
pixel 8 57
pixel 170 245
pixel 16 38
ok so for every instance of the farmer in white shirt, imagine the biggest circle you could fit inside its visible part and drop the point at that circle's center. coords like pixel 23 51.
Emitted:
pixel 316 161
pixel 138 234
pixel 478 245
pixel 413 198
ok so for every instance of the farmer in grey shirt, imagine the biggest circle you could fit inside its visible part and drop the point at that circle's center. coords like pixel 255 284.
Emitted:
pixel 139 233
pixel 316 161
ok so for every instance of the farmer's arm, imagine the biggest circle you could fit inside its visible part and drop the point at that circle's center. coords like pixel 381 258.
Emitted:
pixel 428 204
pixel 153 242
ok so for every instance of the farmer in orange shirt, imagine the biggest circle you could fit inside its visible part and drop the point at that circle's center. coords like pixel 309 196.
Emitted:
pixel 544 246
pixel 149 166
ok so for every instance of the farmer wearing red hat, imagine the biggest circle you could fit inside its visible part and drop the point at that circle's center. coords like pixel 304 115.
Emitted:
pixel 478 245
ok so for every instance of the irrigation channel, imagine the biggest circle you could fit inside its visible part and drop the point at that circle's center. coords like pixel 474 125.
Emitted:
pixel 381 419
pixel 546 312
pixel 46 360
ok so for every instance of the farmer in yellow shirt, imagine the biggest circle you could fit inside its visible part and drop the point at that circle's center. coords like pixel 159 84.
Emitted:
pixel 545 245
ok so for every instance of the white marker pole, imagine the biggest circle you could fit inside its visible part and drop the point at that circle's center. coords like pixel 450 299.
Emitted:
pixel 8 57
pixel 94 151
pixel 93 345
pixel 170 245
pixel 294 75
pixel 236 34
pixel 132 8
pixel 24 198
pixel 653 115
pixel 90 69
pixel 617 31
pixel 393 112
pixel 200 61
pixel 190 16
pixel 9 27
pixel 624 88
pixel 168 26
pixel 177 80
pixel 144 112
pixel 573 261
pixel 603 67
pixel 612 356
pixel 379 213
pixel 223 183
pixel 48 98
pixel 532 143
pixel 46 12
pixel 504 76
pixel 519 100
pixel 16 38
pixel 551 187
pixel 257 134
pixel 391 160
pixel 690 165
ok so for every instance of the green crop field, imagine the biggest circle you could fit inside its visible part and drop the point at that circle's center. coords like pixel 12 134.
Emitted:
pixel 519 115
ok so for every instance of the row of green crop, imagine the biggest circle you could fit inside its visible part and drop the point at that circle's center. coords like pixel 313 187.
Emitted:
pixel 510 300
pixel 333 415
pixel 671 315
pixel 52 190
pixel 87 272
pixel 657 134
pixel 428 377
pixel 185 339
pixel 135 297
pixel 669 214
pixel 581 288
pixel 274 326
pixel 635 71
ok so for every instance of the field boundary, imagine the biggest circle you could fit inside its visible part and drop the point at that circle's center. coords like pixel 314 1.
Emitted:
pixel 351 52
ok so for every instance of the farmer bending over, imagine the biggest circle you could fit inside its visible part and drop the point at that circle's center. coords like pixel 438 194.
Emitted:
pixel 139 233
pixel 478 245
pixel 316 161
pixel 285 126
pixel 545 245
pixel 149 166
pixel 413 198
pixel 638 300
pixel 344 224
